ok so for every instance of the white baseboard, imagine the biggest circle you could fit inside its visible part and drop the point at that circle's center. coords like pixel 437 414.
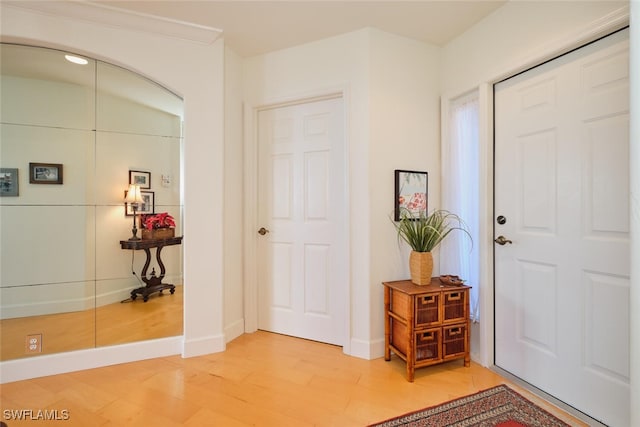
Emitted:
pixel 234 330
pixel 202 346
pixel 28 300
pixel 368 350
pixel 62 363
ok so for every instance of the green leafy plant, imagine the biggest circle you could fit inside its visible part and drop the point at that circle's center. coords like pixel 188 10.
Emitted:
pixel 424 231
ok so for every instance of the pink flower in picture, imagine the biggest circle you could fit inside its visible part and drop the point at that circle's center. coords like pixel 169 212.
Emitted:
pixel 417 202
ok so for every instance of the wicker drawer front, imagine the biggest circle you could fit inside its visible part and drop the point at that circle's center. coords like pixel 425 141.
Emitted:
pixel 428 344
pixel 455 306
pixel 454 339
pixel 427 309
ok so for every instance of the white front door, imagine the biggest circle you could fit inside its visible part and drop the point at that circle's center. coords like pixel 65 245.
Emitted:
pixel 302 258
pixel 562 199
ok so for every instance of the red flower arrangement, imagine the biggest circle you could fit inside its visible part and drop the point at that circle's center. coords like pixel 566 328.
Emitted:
pixel 161 220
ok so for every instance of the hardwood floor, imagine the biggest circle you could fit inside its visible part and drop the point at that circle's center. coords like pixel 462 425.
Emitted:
pixel 110 324
pixel 262 379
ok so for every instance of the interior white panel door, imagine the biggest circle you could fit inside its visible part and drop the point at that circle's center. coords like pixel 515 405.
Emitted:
pixel 303 271
pixel 562 186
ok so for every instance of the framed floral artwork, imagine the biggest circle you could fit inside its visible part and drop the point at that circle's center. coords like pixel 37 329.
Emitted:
pixel 411 190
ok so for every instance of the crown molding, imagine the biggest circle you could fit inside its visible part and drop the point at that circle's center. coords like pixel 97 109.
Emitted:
pixel 114 17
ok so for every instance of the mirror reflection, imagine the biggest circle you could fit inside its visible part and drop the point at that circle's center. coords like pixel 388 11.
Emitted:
pixel 72 136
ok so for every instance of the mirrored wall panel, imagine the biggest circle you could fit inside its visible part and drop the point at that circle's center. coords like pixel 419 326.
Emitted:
pixel 74 133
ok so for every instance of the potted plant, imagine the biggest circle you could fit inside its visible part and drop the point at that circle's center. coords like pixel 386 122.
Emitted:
pixel 158 226
pixel 423 232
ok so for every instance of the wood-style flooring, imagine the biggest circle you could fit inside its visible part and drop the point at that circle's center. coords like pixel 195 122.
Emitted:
pixel 110 324
pixel 262 379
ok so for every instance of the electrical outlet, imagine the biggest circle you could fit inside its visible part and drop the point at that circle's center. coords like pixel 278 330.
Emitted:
pixel 33 344
pixel 166 180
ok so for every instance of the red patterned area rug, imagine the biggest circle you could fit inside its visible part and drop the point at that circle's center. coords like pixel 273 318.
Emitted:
pixel 496 407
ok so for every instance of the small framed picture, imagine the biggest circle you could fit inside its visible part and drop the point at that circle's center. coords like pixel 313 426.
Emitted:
pixel 411 192
pixel 143 179
pixel 146 207
pixel 8 182
pixel 45 173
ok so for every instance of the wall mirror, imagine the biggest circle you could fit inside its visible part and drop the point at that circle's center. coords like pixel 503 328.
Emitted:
pixel 69 136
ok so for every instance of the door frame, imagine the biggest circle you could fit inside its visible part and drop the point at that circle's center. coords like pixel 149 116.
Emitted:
pixel 597 29
pixel 250 216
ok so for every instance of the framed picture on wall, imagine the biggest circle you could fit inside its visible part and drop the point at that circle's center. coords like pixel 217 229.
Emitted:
pixel 146 207
pixel 45 173
pixel 8 182
pixel 411 192
pixel 141 178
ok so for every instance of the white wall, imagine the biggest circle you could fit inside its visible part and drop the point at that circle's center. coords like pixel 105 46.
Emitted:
pixel 519 35
pixel 234 210
pixel 390 87
pixel 404 134
pixel 193 70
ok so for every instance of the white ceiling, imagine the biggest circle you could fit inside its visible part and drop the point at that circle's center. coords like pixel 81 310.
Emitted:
pixel 256 27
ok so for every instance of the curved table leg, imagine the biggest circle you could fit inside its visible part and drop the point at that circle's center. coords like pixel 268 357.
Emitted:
pixel 143 275
pixel 153 282
pixel 162 269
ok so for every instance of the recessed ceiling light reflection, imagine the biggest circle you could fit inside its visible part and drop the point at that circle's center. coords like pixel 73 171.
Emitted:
pixel 76 59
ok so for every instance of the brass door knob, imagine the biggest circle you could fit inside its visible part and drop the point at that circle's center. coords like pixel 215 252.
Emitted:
pixel 501 240
pixel 262 231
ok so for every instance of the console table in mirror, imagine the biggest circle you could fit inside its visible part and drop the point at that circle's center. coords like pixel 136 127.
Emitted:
pixel 153 283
